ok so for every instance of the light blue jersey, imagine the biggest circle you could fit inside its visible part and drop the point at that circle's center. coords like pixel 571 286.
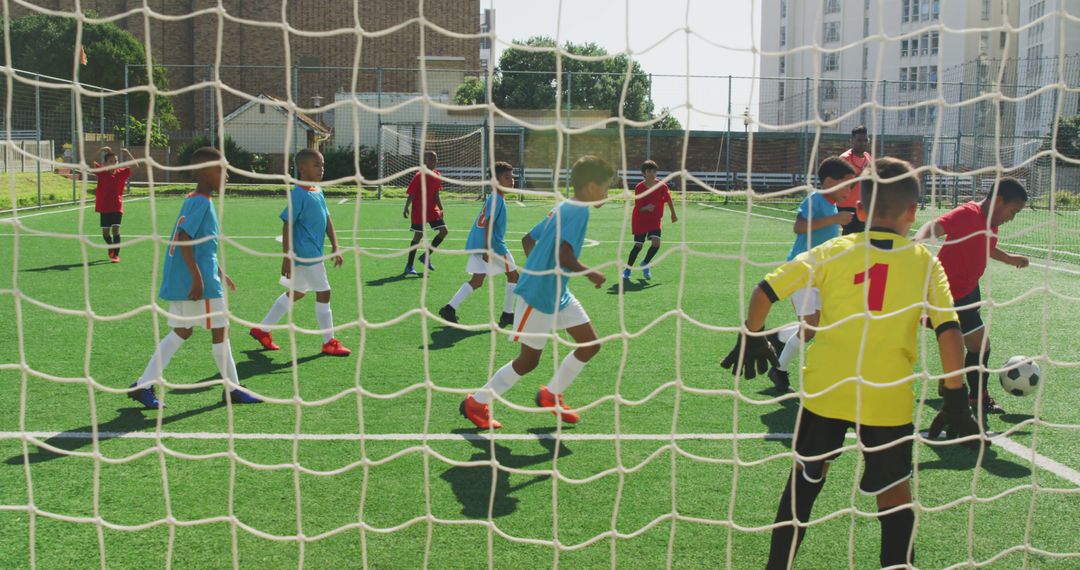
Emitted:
pixel 540 285
pixel 307 229
pixel 814 207
pixel 197 219
pixel 492 218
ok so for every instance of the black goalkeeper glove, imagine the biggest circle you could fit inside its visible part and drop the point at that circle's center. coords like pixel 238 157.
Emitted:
pixel 758 356
pixel 955 417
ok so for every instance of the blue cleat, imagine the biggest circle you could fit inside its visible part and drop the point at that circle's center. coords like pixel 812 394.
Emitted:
pixel 429 265
pixel 238 396
pixel 410 271
pixel 626 274
pixel 146 397
pixel 647 273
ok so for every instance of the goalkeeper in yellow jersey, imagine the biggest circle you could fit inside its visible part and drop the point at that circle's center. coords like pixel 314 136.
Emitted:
pixel 875 287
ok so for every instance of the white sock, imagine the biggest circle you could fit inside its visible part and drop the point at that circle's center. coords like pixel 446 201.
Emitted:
pixel 326 321
pixel 226 365
pixel 278 310
pixel 503 380
pixel 791 348
pixel 787 332
pixel 508 298
pixel 564 376
pixel 462 294
pixel 160 360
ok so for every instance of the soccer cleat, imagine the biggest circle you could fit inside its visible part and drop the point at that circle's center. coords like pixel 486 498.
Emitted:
pixel 429 265
pixel 264 338
pixel 448 314
pixel 146 397
pixel 545 399
pixel 626 274
pixel 506 320
pixel 410 271
pixel 780 379
pixel 333 348
pixel 647 273
pixel 116 258
pixel 989 405
pixel 477 413
pixel 238 396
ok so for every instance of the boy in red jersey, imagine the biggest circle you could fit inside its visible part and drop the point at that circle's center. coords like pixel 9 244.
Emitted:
pixel 423 196
pixel 970 232
pixel 109 197
pixel 860 160
pixel 649 199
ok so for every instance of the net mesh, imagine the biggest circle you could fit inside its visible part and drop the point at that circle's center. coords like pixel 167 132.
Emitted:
pixel 958 129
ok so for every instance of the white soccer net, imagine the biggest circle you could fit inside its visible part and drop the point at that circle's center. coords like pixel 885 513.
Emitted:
pixel 364 461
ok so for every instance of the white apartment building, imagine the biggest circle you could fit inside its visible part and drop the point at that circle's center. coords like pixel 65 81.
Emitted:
pixel 1049 49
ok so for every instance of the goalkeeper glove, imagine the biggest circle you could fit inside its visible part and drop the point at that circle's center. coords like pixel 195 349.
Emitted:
pixel 757 356
pixel 955 417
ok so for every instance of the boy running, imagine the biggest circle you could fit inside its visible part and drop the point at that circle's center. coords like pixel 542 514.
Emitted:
pixel 817 221
pixel 490 256
pixel 109 197
pixel 423 196
pixel 649 200
pixel 305 225
pixel 545 305
pixel 967 230
pixel 191 282
pixel 875 286
pixel 859 159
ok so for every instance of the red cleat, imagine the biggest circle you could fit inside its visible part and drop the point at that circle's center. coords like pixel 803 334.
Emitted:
pixel 545 399
pixel 115 258
pixel 477 413
pixel 334 348
pixel 264 338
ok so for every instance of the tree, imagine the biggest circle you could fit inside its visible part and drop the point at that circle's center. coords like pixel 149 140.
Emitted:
pixel 234 153
pixel 137 134
pixel 471 91
pixel 668 122
pixel 46 45
pixel 526 80
pixel 1068 138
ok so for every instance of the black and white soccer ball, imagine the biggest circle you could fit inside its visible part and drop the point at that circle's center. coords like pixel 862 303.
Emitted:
pixel 1020 376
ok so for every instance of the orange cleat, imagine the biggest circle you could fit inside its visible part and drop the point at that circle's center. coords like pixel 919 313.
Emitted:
pixel 477 413
pixel 334 348
pixel 264 338
pixel 545 399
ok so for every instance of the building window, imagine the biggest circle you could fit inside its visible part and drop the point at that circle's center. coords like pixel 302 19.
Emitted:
pixel 925 10
pixel 832 6
pixel 984 43
pixel 905 11
pixel 830 61
pixel 783 8
pixel 903 48
pixel 780 92
pixel 914 46
pixel 783 36
pixel 831 32
pixel 262 109
pixel 933 77
pixel 903 79
pixel 934 43
pixel 783 65
pixel 925 44
pixel 865 59
pixel 935 9
pixel 827 90
pixel 986 10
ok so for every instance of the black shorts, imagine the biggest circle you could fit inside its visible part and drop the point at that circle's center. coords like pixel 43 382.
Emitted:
pixel 640 238
pixel 110 219
pixel 854 226
pixel 434 224
pixel 820 438
pixel 970 318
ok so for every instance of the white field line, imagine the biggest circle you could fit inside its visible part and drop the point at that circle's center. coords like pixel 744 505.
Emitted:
pixel 1025 453
pixel 343 201
pixel 8 217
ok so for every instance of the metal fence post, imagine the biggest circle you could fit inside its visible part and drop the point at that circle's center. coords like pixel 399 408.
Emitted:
pixel 727 162
pixel 127 107
pixel 521 161
pixel 378 132
pixel 881 128
pixel 74 145
pixel 805 130
pixel 37 127
pixel 569 124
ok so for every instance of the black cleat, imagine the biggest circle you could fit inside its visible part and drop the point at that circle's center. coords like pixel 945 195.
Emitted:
pixel 506 320
pixel 780 379
pixel 449 314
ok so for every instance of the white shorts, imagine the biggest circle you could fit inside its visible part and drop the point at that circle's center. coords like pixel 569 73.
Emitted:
pixel 541 325
pixel 495 264
pixel 205 313
pixel 807 301
pixel 307 278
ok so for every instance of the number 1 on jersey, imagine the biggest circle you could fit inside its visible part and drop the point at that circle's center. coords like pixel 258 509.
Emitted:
pixel 879 274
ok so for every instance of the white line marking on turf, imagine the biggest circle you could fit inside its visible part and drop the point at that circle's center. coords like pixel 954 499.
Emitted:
pixel 9 216
pixel 343 201
pixel 1025 453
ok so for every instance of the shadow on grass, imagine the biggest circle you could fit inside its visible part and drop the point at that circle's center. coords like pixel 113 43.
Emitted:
pixel 961 458
pixel 473 485
pixel 631 286
pixel 66 266
pixel 447 337
pixel 389 279
pixel 780 421
pixel 129 420
pixel 257 364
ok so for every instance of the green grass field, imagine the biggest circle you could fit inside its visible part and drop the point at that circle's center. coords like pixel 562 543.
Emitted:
pixel 386 474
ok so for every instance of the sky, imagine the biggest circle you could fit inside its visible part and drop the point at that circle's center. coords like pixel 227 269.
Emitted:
pixel 722 37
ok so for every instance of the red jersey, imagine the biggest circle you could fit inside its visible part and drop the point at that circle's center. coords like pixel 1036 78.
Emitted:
pixel 649 221
pixel 434 184
pixel 965 261
pixel 109 194
pixel 859 163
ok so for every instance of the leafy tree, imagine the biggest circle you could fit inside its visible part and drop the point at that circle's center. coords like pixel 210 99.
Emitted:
pixel 136 136
pixel 471 91
pixel 668 122
pixel 339 162
pixel 46 45
pixel 234 153
pixel 1068 138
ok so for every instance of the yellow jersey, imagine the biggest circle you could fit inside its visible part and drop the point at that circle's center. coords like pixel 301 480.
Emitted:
pixel 873 297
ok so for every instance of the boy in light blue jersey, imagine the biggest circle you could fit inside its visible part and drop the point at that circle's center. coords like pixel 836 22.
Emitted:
pixel 817 221
pixel 191 282
pixel 545 304
pixel 306 224
pixel 489 254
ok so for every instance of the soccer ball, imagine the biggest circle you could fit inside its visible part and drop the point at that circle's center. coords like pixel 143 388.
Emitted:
pixel 1020 376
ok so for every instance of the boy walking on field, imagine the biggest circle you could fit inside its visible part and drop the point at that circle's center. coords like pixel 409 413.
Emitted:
pixel 545 305
pixel 191 282
pixel 423 196
pixel 305 226
pixel 490 256
pixel 109 197
pixel 875 287
pixel 650 198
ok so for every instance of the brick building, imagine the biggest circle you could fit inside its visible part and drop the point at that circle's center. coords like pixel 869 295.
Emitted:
pixel 188 45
